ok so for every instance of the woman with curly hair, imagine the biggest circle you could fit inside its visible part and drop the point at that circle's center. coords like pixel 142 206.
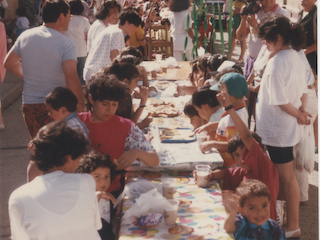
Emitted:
pixel 178 19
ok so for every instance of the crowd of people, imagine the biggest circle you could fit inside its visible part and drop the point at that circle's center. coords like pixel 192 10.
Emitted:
pixel 80 74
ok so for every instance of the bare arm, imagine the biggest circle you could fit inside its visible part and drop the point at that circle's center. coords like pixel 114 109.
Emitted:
pixel 291 110
pixel 12 62
pixel 72 81
pixel 311 48
pixel 113 54
pixel 150 158
pixel 232 207
pixel 207 145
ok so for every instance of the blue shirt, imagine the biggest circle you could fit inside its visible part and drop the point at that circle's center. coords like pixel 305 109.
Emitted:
pixel 246 230
pixel 75 123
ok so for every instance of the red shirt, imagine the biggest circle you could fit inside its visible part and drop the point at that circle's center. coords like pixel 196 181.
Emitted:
pixel 262 169
pixel 108 138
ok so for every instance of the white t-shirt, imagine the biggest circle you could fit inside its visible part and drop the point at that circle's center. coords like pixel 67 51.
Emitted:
pixel 55 206
pixel 77 32
pixel 22 23
pixel 99 56
pixel 283 82
pixel 96 28
pixel 178 21
pixel 215 117
pixel 255 42
pixel 226 121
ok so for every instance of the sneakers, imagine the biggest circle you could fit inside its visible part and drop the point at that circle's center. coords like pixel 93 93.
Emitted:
pixel 2 126
pixel 281 212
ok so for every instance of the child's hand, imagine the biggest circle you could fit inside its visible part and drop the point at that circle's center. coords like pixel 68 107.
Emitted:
pixel 209 177
pixel 105 195
pixel 205 146
pixel 144 92
pixel 127 158
pixel 30 145
pixel 231 205
pixel 224 97
pixel 146 122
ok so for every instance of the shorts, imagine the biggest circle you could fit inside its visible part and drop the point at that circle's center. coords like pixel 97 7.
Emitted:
pixel 280 155
pixel 35 117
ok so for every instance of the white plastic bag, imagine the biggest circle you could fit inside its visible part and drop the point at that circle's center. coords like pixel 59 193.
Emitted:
pixel 151 201
pixel 303 152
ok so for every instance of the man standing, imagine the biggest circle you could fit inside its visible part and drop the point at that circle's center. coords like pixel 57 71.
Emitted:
pixel 45 59
pixel 108 44
pixel 249 24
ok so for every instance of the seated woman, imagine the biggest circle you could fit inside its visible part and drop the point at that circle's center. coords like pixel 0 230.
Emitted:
pixel 110 134
pixel 60 204
pixel 129 74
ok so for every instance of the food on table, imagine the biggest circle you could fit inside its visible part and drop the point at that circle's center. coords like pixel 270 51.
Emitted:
pixel 177 134
pixel 161 85
pixel 163 110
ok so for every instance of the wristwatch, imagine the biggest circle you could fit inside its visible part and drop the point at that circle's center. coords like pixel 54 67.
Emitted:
pixel 229 107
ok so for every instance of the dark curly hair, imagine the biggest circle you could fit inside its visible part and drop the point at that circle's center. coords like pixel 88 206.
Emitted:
pixel 205 62
pixel 54 142
pixel 277 24
pixel 94 160
pixel 179 5
pixel 105 87
pixel 104 10
pixel 251 188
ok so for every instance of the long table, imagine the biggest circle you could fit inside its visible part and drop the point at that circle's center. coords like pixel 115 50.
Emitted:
pixel 201 214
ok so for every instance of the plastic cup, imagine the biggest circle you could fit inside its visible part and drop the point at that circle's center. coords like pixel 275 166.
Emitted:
pixel 168 187
pixel 202 174
pixel 158 57
pixel 171 212
pixel 201 137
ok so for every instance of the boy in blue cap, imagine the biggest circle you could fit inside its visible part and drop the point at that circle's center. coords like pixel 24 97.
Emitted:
pixel 237 89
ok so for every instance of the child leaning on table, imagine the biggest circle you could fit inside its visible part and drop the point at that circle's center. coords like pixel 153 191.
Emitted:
pixel 100 167
pixel 253 222
pixel 247 151
pixel 195 120
pixel 62 105
pixel 237 88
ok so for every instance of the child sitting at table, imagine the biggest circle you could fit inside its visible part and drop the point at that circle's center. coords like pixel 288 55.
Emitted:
pixel 100 167
pixel 205 102
pixel 248 152
pixel 59 204
pixel 62 105
pixel 195 120
pixel 110 134
pixel 200 69
pixel 253 222
pixel 129 74
pixel 237 88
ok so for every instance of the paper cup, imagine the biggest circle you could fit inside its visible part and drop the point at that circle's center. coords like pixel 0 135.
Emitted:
pixel 201 137
pixel 171 212
pixel 168 187
pixel 158 57
pixel 202 174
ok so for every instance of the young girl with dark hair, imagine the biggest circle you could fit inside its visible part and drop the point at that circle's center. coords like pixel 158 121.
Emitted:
pixel 129 74
pixel 281 107
pixel 107 13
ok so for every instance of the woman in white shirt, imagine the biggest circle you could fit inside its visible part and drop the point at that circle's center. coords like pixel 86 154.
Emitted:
pixel 60 204
pixel 281 107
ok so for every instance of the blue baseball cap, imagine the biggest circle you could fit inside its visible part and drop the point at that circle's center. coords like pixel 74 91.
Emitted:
pixel 236 84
